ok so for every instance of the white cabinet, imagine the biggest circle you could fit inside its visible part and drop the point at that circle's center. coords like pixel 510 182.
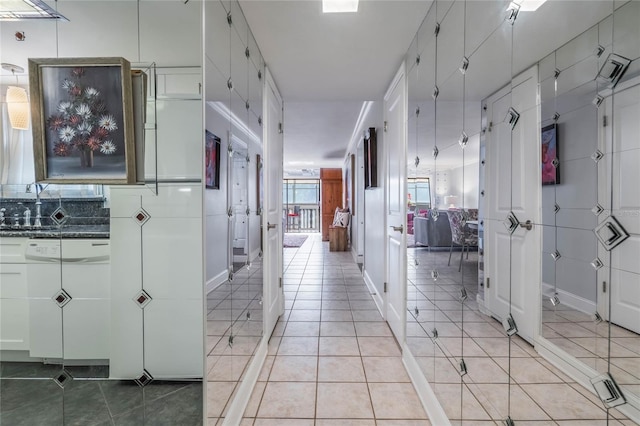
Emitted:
pixel 178 149
pixel 14 307
pixel 160 253
pixel 76 326
pixel 179 83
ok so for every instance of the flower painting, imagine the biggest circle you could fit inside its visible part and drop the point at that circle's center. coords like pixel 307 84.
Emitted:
pixel 85 129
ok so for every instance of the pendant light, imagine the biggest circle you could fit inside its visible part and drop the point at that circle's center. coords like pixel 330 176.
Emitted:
pixel 17 101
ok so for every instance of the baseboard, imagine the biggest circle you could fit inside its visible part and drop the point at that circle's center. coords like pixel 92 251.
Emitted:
pixel 377 297
pixel 430 402
pixel 576 302
pixel 8 355
pixel 254 254
pixel 582 374
pixel 245 388
pixel 216 281
pixel 358 258
pixel 481 307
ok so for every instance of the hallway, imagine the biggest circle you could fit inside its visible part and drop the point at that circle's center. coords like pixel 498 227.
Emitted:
pixel 332 359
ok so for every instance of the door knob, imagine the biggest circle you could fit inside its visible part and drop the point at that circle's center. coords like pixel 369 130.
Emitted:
pixel 528 225
pixel 400 228
pixel 271 225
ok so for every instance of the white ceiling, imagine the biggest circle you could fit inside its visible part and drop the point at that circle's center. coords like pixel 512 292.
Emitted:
pixel 326 65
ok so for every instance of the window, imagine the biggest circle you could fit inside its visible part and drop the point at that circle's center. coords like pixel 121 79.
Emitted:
pixel 295 191
pixel 419 192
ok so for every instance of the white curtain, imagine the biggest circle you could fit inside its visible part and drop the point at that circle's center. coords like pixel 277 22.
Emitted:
pixel 16 153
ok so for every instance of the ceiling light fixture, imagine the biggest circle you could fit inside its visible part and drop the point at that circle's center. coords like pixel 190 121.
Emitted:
pixel 531 5
pixel 18 10
pixel 339 6
pixel 300 163
pixel 17 101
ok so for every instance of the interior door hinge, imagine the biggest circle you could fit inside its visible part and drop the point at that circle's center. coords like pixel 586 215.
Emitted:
pixel 280 282
pixel 488 282
pixel 604 286
pixel 604 121
pixel 386 126
pixel 280 129
pixel 385 287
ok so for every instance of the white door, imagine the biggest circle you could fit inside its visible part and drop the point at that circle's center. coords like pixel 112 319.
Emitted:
pixel 513 191
pixel 272 216
pixel 395 141
pixel 620 191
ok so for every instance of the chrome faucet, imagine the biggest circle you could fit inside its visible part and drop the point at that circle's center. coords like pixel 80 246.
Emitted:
pixel 27 218
pixel 37 222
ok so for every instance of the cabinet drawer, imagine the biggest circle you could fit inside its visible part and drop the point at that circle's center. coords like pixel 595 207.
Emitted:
pixel 13 281
pixel 179 84
pixel 12 250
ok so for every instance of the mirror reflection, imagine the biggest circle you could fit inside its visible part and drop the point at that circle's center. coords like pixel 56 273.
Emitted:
pixel 585 274
pixel 473 95
pixel 233 120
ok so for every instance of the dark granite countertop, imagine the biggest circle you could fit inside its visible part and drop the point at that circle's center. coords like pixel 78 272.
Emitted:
pixel 70 231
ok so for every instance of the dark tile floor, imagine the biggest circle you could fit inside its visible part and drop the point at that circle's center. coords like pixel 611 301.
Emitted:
pixel 29 396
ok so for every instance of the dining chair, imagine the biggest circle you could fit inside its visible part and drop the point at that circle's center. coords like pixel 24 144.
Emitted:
pixel 460 234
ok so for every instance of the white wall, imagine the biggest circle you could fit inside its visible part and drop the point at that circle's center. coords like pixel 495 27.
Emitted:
pixel 215 210
pixel 216 219
pixel 463 182
pixel 374 218
pixel 576 194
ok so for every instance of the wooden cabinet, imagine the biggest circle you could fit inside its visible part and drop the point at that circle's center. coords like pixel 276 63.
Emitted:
pixel 330 197
pixel 337 238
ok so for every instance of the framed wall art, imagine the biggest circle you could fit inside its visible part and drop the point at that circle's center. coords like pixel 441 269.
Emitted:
pixel 370 159
pixel 83 125
pixel 550 163
pixel 212 161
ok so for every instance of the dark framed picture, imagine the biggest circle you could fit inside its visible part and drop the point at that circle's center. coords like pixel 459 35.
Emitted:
pixel 370 159
pixel 212 161
pixel 550 160
pixel 349 184
pixel 83 125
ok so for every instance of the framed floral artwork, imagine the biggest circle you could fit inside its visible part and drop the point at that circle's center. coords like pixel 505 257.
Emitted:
pixel 83 128
pixel 212 161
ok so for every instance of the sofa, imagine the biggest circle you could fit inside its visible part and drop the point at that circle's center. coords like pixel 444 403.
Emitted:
pixel 430 232
pixel 435 233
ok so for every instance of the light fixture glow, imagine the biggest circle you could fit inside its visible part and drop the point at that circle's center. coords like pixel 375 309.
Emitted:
pixel 300 163
pixel 451 200
pixel 17 100
pixel 339 6
pixel 18 107
pixel 531 5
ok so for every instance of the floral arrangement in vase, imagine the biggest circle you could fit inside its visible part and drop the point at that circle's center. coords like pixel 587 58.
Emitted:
pixel 81 122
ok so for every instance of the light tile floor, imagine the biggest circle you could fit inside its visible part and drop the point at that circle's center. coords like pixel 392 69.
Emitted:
pixel 332 359
pixel 537 394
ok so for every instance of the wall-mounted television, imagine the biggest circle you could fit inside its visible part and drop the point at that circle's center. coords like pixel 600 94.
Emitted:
pixel 370 159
